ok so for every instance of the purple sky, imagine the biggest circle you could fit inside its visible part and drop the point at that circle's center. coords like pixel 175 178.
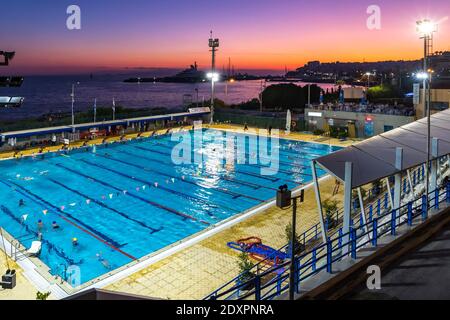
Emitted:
pixel 173 33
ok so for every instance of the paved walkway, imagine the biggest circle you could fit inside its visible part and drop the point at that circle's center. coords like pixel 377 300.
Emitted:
pixel 24 290
pixel 423 274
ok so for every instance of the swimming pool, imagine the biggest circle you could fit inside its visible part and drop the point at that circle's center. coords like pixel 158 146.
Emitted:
pixel 123 201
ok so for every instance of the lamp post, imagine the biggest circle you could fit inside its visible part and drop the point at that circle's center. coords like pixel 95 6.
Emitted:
pixel 284 199
pixel 368 74
pixel 426 28
pixel 213 44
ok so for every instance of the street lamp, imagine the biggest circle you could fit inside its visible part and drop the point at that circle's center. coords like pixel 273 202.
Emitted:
pixel 426 28
pixel 368 74
pixel 283 201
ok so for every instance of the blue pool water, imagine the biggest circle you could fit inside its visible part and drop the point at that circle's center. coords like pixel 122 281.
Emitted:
pixel 126 200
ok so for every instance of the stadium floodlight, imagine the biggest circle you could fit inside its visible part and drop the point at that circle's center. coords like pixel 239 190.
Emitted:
pixel 426 27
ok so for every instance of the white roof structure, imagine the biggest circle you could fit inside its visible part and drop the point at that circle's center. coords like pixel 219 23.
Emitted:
pixel 374 158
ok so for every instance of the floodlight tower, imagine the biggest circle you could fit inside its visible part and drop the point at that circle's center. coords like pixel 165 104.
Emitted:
pixel 213 44
pixel 426 28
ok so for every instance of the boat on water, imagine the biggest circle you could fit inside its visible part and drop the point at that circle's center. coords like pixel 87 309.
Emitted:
pixel 11 81
pixel 189 75
pixel 11 102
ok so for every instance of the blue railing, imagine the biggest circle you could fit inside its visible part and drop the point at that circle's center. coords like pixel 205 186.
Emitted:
pixel 314 233
pixel 326 254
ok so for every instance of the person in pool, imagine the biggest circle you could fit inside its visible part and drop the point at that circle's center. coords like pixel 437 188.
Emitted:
pixel 75 242
pixel 55 225
pixel 40 225
pixel 21 203
pixel 104 262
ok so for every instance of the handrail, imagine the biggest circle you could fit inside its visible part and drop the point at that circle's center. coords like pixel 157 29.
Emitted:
pixel 327 253
pixel 314 232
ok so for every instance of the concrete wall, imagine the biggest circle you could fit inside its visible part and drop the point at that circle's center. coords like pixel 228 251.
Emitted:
pixel 318 119
pixel 437 95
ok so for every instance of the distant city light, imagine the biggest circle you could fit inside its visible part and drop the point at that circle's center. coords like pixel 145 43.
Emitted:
pixel 426 27
pixel 213 76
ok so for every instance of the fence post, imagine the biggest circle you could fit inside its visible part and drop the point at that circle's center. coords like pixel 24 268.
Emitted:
pixel 424 208
pixel 353 243
pixel 297 275
pixel 414 178
pixel 257 288
pixel 410 207
pixel 436 198
pixel 404 186
pixel 314 259
pixel 370 213
pixel 393 221
pixel 448 192
pixel 278 284
pixel 340 238
pixel 374 231
pixel 379 207
pixel 386 200
pixel 329 257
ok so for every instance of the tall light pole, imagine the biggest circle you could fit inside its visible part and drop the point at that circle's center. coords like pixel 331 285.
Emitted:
pixel 213 44
pixel 426 28
pixel 368 74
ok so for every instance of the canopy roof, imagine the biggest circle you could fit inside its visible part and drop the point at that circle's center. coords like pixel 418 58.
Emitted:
pixel 374 158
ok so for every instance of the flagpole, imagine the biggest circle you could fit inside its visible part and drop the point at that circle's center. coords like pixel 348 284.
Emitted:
pixel 95 110
pixel 114 110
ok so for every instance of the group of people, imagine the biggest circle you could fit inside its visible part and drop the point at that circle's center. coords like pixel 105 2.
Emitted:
pixel 399 110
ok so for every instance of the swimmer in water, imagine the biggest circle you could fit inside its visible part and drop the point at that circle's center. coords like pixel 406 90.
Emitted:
pixel 74 242
pixel 104 262
pixel 21 203
pixel 40 225
pixel 55 225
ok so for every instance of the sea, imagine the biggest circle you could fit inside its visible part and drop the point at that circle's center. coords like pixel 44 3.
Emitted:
pixel 52 94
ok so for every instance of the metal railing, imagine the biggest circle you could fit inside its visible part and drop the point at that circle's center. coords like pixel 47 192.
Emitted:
pixel 275 281
pixel 376 210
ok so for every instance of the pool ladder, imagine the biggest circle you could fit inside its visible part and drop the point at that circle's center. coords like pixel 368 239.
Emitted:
pixel 63 277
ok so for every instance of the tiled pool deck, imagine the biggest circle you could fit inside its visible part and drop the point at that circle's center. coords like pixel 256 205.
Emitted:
pixel 194 272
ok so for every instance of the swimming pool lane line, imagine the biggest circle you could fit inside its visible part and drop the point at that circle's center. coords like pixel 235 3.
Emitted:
pixel 245 172
pixel 50 245
pixel 254 186
pixel 82 226
pixel 142 224
pixel 145 182
pixel 181 194
pixel 159 206
pixel 234 194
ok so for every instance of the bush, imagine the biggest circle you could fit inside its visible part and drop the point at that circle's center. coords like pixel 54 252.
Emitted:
pixel 245 270
pixel 42 295
pixel 298 246
pixel 330 207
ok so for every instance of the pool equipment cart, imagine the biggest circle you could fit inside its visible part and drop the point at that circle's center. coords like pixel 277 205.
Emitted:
pixel 9 279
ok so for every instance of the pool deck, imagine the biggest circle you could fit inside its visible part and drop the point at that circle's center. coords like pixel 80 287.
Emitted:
pixel 199 269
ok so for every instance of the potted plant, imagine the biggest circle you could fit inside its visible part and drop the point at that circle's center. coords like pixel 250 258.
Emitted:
pixel 245 271
pixel 330 207
pixel 298 246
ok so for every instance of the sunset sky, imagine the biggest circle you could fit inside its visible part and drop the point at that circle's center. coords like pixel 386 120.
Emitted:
pixel 256 34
